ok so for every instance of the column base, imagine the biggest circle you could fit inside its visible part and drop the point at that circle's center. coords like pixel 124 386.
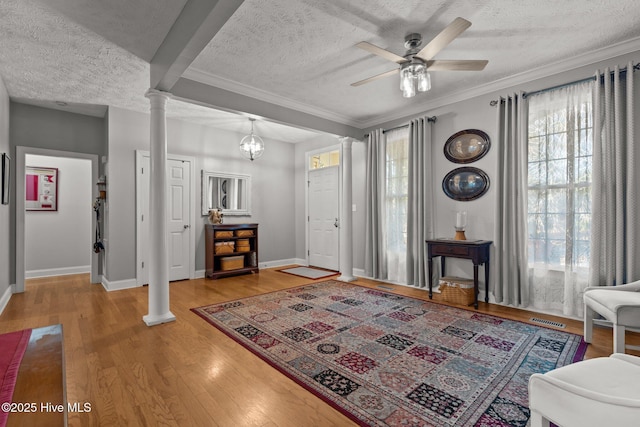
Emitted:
pixel 152 320
pixel 345 278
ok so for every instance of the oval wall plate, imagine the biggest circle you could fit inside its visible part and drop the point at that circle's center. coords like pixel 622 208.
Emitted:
pixel 467 146
pixel 465 183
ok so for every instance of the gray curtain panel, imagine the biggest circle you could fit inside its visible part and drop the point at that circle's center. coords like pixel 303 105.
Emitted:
pixel 420 204
pixel 375 264
pixel 615 232
pixel 511 277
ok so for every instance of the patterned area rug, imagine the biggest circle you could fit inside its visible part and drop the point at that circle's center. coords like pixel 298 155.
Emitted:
pixel 389 360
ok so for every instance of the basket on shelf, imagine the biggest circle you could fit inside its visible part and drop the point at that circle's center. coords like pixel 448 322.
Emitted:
pixel 244 233
pixel 224 234
pixel 457 290
pixel 242 245
pixel 224 247
pixel 232 262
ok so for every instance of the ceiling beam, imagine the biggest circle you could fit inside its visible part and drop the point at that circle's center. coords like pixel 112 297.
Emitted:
pixel 203 94
pixel 197 24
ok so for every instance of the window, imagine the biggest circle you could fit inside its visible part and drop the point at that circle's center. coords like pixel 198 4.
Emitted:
pixel 559 178
pixel 396 202
pixel 324 160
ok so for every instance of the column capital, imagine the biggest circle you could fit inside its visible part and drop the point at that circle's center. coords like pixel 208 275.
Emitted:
pixel 155 93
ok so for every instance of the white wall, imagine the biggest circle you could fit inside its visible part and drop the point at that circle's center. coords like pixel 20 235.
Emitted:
pixel 5 210
pixel 60 242
pixel 272 175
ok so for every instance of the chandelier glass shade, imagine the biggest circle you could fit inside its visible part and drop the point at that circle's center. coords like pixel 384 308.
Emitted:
pixel 252 146
pixel 414 78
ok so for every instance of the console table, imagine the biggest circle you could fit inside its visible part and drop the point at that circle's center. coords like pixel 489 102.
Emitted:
pixel 475 250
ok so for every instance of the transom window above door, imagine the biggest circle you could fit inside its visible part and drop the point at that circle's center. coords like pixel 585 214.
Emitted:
pixel 324 160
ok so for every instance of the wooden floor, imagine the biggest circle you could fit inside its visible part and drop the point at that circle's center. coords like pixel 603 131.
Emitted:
pixel 184 373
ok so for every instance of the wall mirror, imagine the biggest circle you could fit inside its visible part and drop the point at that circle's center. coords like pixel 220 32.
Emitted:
pixel 467 146
pixel 230 192
pixel 465 183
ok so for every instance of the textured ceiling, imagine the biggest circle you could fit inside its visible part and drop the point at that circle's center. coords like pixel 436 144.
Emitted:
pixel 295 53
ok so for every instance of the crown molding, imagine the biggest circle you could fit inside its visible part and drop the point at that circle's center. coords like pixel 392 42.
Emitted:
pixel 602 54
pixel 263 95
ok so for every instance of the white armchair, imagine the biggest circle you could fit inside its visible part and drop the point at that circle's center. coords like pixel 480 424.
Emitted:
pixel 597 392
pixel 618 304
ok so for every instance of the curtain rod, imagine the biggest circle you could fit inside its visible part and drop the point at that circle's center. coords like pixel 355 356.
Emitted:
pixel 431 119
pixel 636 67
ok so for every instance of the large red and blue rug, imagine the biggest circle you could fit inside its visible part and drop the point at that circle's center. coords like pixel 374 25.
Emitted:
pixel 390 360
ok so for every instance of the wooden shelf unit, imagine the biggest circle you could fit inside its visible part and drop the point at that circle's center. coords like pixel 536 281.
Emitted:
pixel 213 261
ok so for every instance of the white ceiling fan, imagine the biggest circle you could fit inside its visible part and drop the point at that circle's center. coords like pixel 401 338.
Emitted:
pixel 415 63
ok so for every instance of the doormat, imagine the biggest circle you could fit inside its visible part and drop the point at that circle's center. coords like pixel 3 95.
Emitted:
pixel 390 360
pixel 309 272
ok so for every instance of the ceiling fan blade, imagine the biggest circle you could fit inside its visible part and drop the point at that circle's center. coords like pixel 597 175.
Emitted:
pixel 445 37
pixel 371 48
pixel 379 76
pixel 457 65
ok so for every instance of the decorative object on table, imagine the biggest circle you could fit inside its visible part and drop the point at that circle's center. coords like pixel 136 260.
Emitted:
pixel 467 146
pixel 252 146
pixel 465 184
pixel 389 360
pixel 461 225
pixel 215 216
pixel 5 170
pixel 41 189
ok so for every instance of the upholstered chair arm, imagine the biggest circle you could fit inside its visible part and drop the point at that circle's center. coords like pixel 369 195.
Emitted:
pixel 627 358
pixel 629 287
pixel 579 391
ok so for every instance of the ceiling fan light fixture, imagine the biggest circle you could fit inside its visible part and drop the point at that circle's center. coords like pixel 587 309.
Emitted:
pixel 414 78
pixel 252 146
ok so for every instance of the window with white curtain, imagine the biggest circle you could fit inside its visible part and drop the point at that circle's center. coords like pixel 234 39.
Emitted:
pixel 396 202
pixel 559 195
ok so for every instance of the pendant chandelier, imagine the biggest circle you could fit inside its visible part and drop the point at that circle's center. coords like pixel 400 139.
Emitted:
pixel 252 145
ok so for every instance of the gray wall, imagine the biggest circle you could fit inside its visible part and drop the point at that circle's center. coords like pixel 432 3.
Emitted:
pixel 58 242
pixel 39 127
pixel 272 175
pixel 5 210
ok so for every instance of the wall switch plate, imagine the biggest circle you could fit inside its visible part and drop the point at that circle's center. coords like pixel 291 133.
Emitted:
pixel 353 208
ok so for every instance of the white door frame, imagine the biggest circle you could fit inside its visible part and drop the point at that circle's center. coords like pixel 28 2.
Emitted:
pixel 308 156
pixel 21 153
pixel 192 217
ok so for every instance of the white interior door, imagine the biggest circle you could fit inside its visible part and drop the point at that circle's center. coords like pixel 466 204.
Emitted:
pixel 323 218
pixel 178 222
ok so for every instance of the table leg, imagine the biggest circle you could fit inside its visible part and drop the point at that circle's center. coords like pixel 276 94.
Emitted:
pixel 430 262
pixel 442 258
pixel 486 281
pixel 475 285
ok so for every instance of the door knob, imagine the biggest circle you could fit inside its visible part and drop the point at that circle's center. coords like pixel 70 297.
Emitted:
pixel 186 226
pixel 335 224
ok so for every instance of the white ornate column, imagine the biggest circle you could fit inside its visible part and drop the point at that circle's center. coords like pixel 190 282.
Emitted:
pixel 346 214
pixel 158 257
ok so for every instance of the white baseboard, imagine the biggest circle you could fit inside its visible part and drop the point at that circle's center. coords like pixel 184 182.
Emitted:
pixel 282 263
pixel 6 296
pixel 57 271
pixel 200 274
pixel 118 285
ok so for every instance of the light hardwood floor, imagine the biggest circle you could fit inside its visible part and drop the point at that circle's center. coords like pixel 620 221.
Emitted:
pixel 185 373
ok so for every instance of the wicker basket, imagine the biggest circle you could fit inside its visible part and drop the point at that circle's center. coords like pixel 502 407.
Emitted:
pixel 242 245
pixel 224 234
pixel 224 247
pixel 457 290
pixel 232 262
pixel 244 233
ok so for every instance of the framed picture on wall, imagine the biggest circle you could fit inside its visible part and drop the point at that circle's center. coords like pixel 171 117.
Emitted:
pixel 41 189
pixel 5 169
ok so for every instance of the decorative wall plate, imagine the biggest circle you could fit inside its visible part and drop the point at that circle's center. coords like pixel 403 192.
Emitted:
pixel 465 183
pixel 467 146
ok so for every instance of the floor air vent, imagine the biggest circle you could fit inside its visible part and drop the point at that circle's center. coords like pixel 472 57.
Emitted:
pixel 548 322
